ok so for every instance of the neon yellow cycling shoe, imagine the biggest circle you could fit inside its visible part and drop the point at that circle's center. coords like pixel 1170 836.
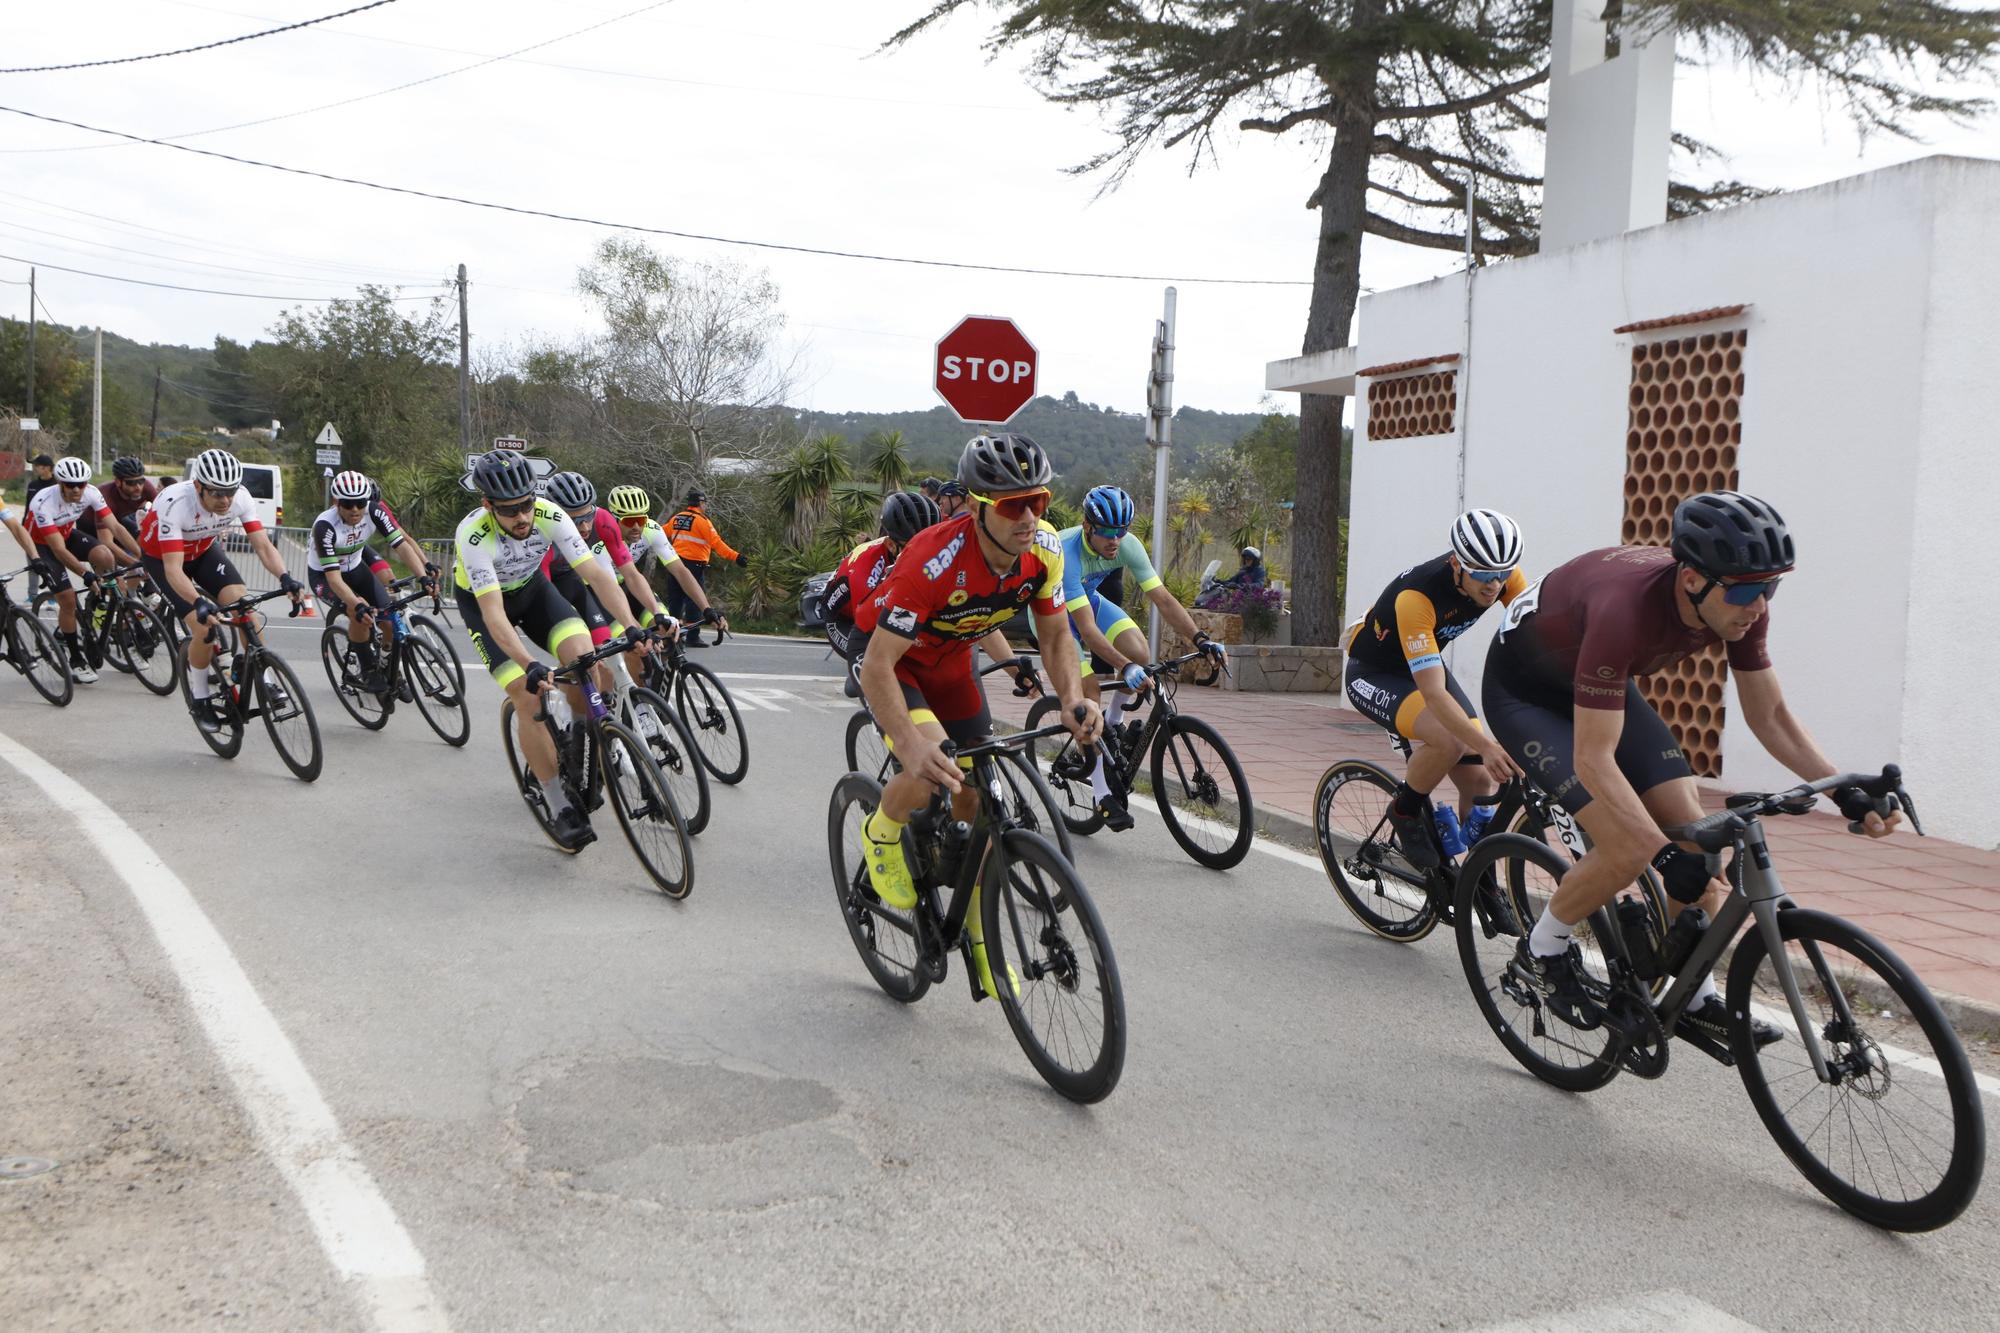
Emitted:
pixel 888 871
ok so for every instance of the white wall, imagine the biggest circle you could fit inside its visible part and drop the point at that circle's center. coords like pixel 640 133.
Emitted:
pixel 1840 404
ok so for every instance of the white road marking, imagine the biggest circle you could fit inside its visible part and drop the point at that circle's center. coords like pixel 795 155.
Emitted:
pixel 356 1227
pixel 1653 1312
pixel 775 700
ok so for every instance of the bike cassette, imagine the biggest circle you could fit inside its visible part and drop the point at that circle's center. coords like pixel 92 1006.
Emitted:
pixel 1642 1042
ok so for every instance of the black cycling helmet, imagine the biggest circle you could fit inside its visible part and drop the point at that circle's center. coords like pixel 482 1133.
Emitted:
pixel 930 486
pixel 503 474
pixel 1727 534
pixel 1004 465
pixel 571 490
pixel 907 513
pixel 127 468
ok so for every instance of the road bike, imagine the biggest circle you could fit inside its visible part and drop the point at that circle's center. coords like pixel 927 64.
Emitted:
pixel 1868 1091
pixel 411 667
pixel 1365 861
pixel 704 704
pixel 32 648
pixel 1041 936
pixel 1030 803
pixel 654 721
pixel 249 680
pixel 1199 786
pixel 597 756
pixel 119 625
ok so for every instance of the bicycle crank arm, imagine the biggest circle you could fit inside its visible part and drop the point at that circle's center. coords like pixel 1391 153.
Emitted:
pixel 1707 1045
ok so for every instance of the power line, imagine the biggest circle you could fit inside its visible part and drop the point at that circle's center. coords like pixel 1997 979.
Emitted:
pixel 205 291
pixel 189 50
pixel 83 246
pixel 657 231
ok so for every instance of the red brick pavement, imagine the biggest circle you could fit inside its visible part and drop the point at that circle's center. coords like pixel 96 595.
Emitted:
pixel 1936 903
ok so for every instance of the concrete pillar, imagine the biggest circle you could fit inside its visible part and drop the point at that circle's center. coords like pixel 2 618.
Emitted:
pixel 1610 126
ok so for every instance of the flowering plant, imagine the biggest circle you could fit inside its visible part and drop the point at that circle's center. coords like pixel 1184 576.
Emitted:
pixel 1258 604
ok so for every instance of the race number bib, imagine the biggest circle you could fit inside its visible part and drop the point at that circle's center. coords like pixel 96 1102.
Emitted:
pixel 1522 607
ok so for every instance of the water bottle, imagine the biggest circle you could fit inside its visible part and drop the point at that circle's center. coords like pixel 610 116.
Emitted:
pixel 952 851
pixel 1481 819
pixel 1450 836
pixel 396 622
pixel 593 699
pixel 1682 936
pixel 1635 923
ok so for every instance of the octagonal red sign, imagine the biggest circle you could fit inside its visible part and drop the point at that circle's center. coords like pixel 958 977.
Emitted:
pixel 985 369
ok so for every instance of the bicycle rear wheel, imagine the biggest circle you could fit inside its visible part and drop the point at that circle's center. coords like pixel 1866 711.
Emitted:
pixel 645 809
pixel 655 722
pixel 145 647
pixel 1052 965
pixel 713 721
pixel 288 715
pixel 436 692
pixel 431 632
pixel 1202 793
pixel 885 938
pixel 1361 856
pixel 1527 873
pixel 1065 767
pixel 39 656
pixel 1898 1147
pixel 343 672
pixel 228 742
pixel 525 781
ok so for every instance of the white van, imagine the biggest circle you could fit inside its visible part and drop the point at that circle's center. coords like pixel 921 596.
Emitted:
pixel 266 485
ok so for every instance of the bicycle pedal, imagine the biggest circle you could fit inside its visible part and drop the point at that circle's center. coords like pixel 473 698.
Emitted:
pixel 1707 1045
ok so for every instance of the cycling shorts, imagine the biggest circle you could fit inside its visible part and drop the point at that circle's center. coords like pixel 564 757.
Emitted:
pixel 360 581
pixel 210 571
pixel 570 586
pixel 540 612
pixel 844 638
pixel 948 694
pixel 1111 621
pixel 1539 730
pixel 80 544
pixel 1391 699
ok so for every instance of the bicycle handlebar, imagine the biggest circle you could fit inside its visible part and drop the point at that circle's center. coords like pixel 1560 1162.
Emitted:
pixel 1715 832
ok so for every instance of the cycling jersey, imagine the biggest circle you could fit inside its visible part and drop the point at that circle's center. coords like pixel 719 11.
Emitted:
pixel 1417 615
pixel 178 522
pixel 121 508
pixel 51 517
pixel 605 539
pixel 1594 623
pixel 849 594
pixel 942 596
pixel 653 540
pixel 1084 570
pixel 337 543
pixel 487 558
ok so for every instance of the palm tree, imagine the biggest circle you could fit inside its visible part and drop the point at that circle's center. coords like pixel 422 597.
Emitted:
pixel 888 460
pixel 851 519
pixel 1186 524
pixel 805 482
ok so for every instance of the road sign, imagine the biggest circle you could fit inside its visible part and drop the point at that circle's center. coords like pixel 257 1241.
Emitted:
pixel 31 423
pixel 328 437
pixel 514 442
pixel 327 457
pixel 543 468
pixel 985 369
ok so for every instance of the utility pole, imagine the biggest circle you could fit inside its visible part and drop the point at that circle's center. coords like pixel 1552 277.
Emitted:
pixel 464 372
pixel 31 343
pixel 153 430
pixel 97 409
pixel 1160 435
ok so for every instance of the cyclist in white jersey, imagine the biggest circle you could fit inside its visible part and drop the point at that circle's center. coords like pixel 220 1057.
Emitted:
pixel 339 562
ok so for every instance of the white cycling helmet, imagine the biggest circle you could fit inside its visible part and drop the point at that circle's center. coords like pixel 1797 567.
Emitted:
pixel 352 485
pixel 1486 539
pixel 72 471
pixel 218 468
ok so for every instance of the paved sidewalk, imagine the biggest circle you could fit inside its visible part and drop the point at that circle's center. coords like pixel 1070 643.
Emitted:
pixel 1936 903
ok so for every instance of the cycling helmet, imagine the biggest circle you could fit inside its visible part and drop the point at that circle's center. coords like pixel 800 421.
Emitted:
pixel 1486 539
pixel 931 486
pixel 571 490
pixel 1108 507
pixel 351 486
pixel 502 474
pixel 127 468
pixel 1727 534
pixel 953 487
pixel 1004 465
pixel 72 471
pixel 630 502
pixel 219 469
pixel 907 513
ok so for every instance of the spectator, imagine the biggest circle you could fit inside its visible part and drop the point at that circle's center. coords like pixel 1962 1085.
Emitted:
pixel 45 474
pixel 695 541
pixel 1251 574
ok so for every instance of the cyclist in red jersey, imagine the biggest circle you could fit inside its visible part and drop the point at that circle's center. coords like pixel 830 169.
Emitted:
pixel 1559 695
pixel 954 584
pixel 863 570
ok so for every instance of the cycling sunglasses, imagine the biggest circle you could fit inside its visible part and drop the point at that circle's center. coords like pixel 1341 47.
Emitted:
pixel 1015 506
pixel 1744 594
pixel 1486 575
pixel 350 504
pixel 1110 534
pixel 207 489
pixel 514 510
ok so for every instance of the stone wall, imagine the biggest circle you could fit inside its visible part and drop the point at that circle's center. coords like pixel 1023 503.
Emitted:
pixel 1283 669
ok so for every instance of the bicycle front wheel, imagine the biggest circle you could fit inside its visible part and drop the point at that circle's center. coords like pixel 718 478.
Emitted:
pixel 1065 767
pixel 427 629
pixel 1898 1138
pixel 1030 803
pixel 228 741
pixel 1202 793
pixel 525 780
pixel 38 655
pixel 645 810
pixel 867 752
pixel 343 672
pixel 1361 857
pixel 288 716
pixel 713 721
pixel 1525 874
pixel 439 698
pixel 885 938
pixel 1052 966
pixel 146 647
pixel 654 721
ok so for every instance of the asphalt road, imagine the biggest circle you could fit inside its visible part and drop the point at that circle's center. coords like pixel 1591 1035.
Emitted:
pixel 591 1107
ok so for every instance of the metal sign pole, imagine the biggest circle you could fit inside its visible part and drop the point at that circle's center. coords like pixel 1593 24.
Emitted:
pixel 1160 435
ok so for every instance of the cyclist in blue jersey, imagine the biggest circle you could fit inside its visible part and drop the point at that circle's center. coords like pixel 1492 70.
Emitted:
pixel 1092 553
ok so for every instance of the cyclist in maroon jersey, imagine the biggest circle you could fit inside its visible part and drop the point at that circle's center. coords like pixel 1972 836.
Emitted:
pixel 1559 694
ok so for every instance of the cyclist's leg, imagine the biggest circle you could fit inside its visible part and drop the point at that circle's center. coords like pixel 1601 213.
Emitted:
pixel 59 579
pixel 536 749
pixel 597 622
pixel 1438 751
pixel 85 547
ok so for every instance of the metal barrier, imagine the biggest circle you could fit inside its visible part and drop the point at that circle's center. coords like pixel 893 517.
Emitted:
pixel 293 545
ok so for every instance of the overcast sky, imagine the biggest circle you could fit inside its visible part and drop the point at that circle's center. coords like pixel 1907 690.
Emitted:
pixel 756 119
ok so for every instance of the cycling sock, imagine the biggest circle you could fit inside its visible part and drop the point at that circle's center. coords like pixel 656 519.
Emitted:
pixel 1550 937
pixel 201 682
pixel 558 798
pixel 1100 785
pixel 1114 710
pixel 1703 991
pixel 879 828
pixel 1405 800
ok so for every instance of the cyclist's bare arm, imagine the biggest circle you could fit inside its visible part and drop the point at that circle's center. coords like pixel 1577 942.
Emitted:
pixel 343 592
pixel 680 573
pixel 21 536
pixel 630 577
pixel 112 533
pixel 1431 683
pixel 174 565
pixel 1173 612
pixel 609 594
pixel 1781 733
pixel 412 555
pixel 1059 664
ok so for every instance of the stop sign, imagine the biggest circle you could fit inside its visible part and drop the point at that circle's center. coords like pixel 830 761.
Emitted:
pixel 985 369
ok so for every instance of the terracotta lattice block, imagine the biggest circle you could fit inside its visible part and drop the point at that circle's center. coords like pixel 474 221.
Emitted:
pixel 1413 405
pixel 1683 428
